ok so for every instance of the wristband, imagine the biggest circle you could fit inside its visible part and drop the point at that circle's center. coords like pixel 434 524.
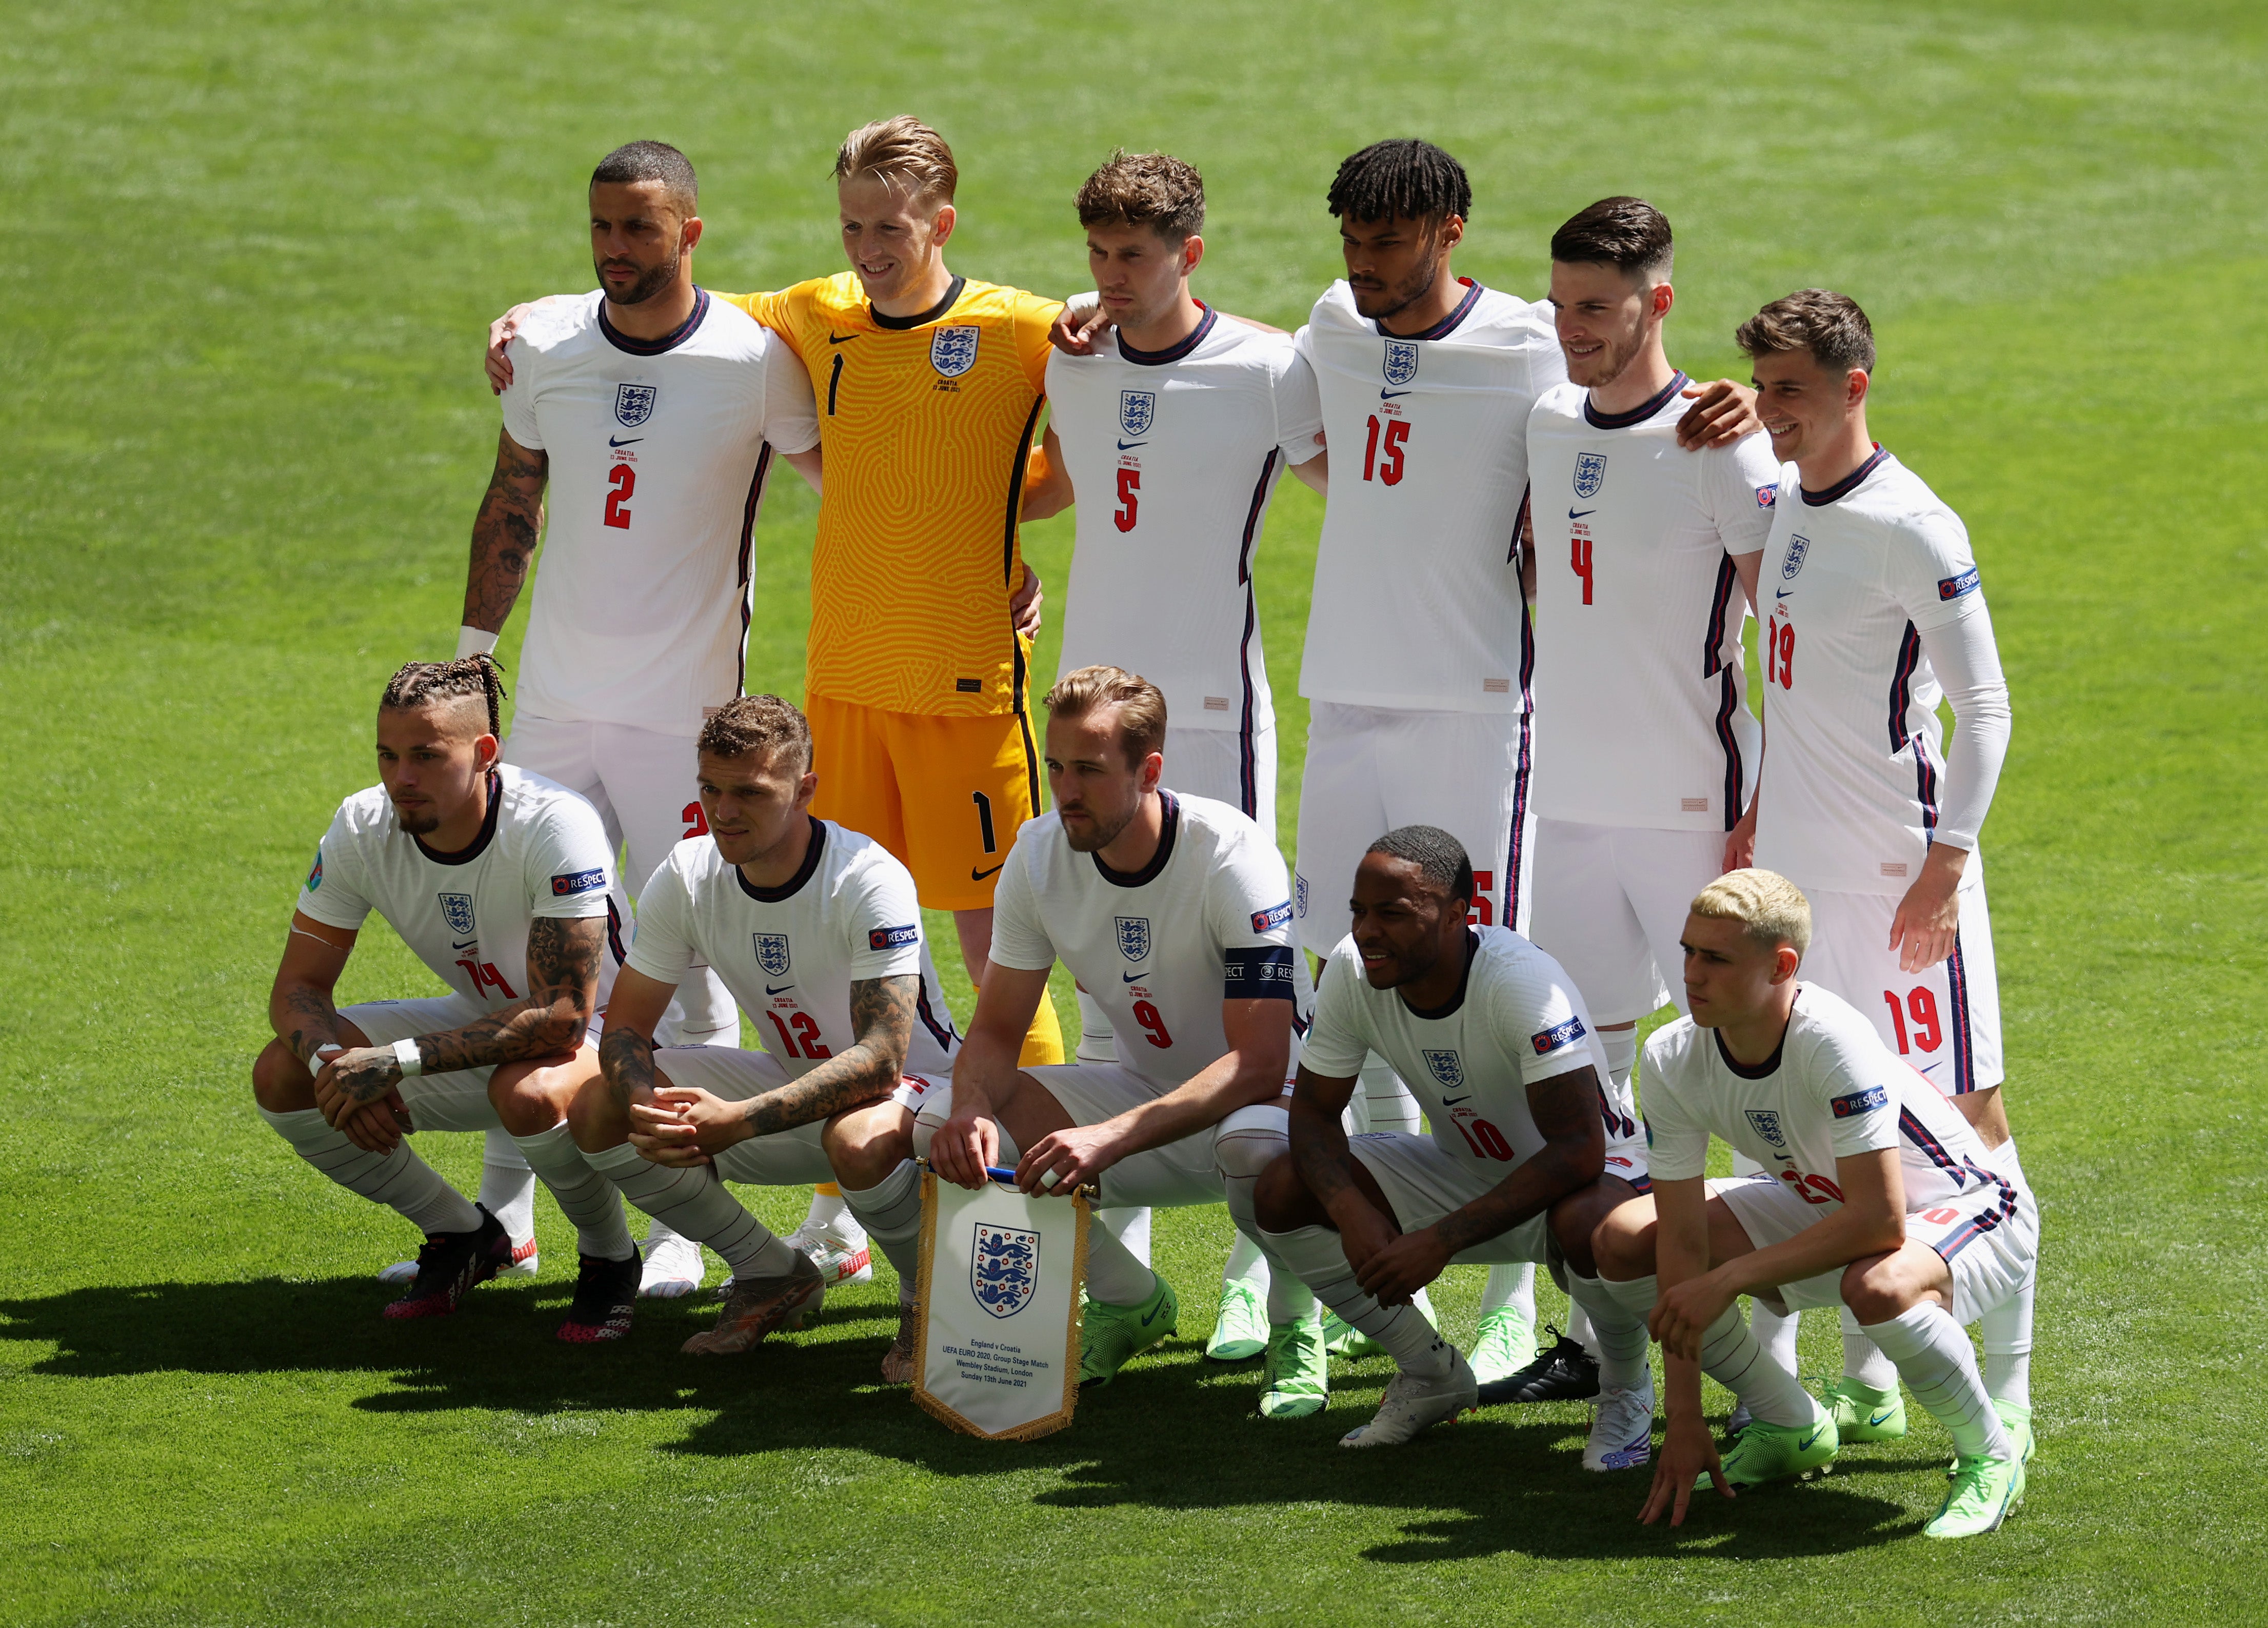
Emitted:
pixel 405 1053
pixel 475 642
pixel 323 1054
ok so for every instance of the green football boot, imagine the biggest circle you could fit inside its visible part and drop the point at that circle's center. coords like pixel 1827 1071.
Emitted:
pixel 1110 1335
pixel 1863 1413
pixel 1505 1345
pixel 2016 1419
pixel 1767 1453
pixel 1342 1339
pixel 1986 1492
pixel 1240 1329
pixel 1298 1371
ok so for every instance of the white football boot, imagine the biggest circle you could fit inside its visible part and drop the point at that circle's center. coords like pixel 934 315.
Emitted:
pixel 1621 1428
pixel 673 1266
pixel 1412 1402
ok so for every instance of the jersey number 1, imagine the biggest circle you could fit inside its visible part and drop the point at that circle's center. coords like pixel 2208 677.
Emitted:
pixel 624 479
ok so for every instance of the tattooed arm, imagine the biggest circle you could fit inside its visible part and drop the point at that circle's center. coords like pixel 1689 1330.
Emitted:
pixel 505 533
pixel 682 1125
pixel 300 1008
pixel 563 976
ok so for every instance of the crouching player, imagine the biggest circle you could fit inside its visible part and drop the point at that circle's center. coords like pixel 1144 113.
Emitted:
pixel 816 932
pixel 1532 1144
pixel 1912 1231
pixel 1175 913
pixel 502 884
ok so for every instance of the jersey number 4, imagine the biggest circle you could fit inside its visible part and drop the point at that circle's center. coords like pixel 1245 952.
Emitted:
pixel 1382 457
pixel 624 479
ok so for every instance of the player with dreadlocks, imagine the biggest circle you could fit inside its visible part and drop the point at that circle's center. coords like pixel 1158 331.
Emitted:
pixel 503 883
pixel 1418 647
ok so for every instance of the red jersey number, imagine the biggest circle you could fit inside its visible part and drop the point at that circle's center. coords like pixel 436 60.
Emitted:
pixel 799 1029
pixel 624 479
pixel 1129 503
pixel 1381 458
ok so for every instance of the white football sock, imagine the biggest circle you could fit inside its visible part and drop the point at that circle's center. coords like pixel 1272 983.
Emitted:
pixel 1620 1332
pixel 1510 1286
pixel 1391 1106
pixel 1731 1356
pixel 1115 1275
pixel 1289 1301
pixel 588 1199
pixel 1934 1360
pixel 695 1203
pixel 1578 1328
pixel 1317 1259
pixel 827 1207
pixel 399 1180
pixel 1246 1264
pixel 1621 1047
pixel 2007 1326
pixel 1128 1225
pixel 1863 1360
pixel 1097 1041
pixel 507 1185
pixel 890 1211
pixel 1776 1332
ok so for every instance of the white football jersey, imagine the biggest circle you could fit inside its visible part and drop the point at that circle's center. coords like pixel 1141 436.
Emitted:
pixel 1208 920
pixel 790 954
pixel 1174 454
pixel 1856 758
pixel 1641 705
pixel 1417 602
pixel 659 450
pixel 1832 1089
pixel 541 852
pixel 1518 1019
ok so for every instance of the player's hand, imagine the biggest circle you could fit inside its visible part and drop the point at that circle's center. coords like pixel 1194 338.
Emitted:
pixel 1683 1312
pixel 1396 1272
pixel 376 1127
pixel 500 335
pixel 1064 1159
pixel 1929 916
pixel 349 1079
pixel 1722 413
pixel 1024 604
pixel 680 1113
pixel 1363 1234
pixel 963 1146
pixel 1686 1452
pixel 1741 842
pixel 1076 327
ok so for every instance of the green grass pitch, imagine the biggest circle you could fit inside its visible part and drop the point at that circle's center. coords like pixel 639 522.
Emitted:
pixel 250 247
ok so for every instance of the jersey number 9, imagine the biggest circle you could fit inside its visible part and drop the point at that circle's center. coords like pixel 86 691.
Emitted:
pixel 1148 1017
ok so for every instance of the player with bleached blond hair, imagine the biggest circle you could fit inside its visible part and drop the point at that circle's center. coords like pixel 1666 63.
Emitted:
pixel 1875 1195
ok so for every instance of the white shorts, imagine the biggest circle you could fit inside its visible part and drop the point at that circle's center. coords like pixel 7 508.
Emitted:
pixel 1945 1019
pixel 790 1158
pixel 457 1100
pixel 1989 1239
pixel 1186 1172
pixel 1611 907
pixel 1230 766
pixel 1423 1181
pixel 1371 769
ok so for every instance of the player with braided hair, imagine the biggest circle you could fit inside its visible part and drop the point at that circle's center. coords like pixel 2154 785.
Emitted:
pixel 503 883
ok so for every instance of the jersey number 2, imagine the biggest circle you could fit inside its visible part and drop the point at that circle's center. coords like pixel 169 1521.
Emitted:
pixel 624 479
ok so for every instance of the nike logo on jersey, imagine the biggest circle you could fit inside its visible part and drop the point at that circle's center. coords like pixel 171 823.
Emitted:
pixel 469 943
pixel 1388 396
pixel 769 990
pixel 1781 594
pixel 834 338
pixel 1453 1101
pixel 1577 514
pixel 978 876
pixel 1128 446
pixel 1133 977
pixel 632 441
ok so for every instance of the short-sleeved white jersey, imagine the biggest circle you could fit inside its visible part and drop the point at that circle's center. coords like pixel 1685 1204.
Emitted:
pixel 1850 579
pixel 1832 1089
pixel 1174 454
pixel 543 851
pixel 1641 707
pixel 1518 1019
pixel 660 451
pixel 790 955
pixel 1208 920
pixel 1417 602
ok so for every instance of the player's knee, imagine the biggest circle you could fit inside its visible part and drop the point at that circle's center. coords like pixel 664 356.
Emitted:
pixel 593 1119
pixel 280 1082
pixel 1278 1194
pixel 528 1101
pixel 1621 1244
pixel 935 1109
pixel 1876 1291
pixel 1249 1141
pixel 864 1145
pixel 1573 1220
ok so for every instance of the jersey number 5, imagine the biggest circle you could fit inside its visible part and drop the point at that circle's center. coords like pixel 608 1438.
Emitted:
pixel 1130 482
pixel 1385 467
pixel 624 479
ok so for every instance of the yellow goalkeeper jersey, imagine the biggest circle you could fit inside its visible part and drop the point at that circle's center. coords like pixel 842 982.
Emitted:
pixel 924 423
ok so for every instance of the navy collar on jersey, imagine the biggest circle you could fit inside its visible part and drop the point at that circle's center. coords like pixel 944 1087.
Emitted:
pixel 1149 873
pixel 1764 1070
pixel 1448 1009
pixel 815 851
pixel 1448 325
pixel 670 341
pixel 1848 485
pixel 1637 415
pixel 479 845
pixel 1171 353
pixel 895 324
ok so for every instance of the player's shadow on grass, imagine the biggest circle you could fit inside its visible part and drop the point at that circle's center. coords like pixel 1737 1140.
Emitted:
pixel 1173 1433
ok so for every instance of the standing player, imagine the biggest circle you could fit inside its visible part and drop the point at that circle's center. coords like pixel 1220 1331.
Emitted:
pixel 1531 1145
pixel 502 883
pixel 1644 564
pixel 1177 426
pixel 1174 910
pixel 1878 614
pixel 649 412
pixel 814 930
pixel 1914 1232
